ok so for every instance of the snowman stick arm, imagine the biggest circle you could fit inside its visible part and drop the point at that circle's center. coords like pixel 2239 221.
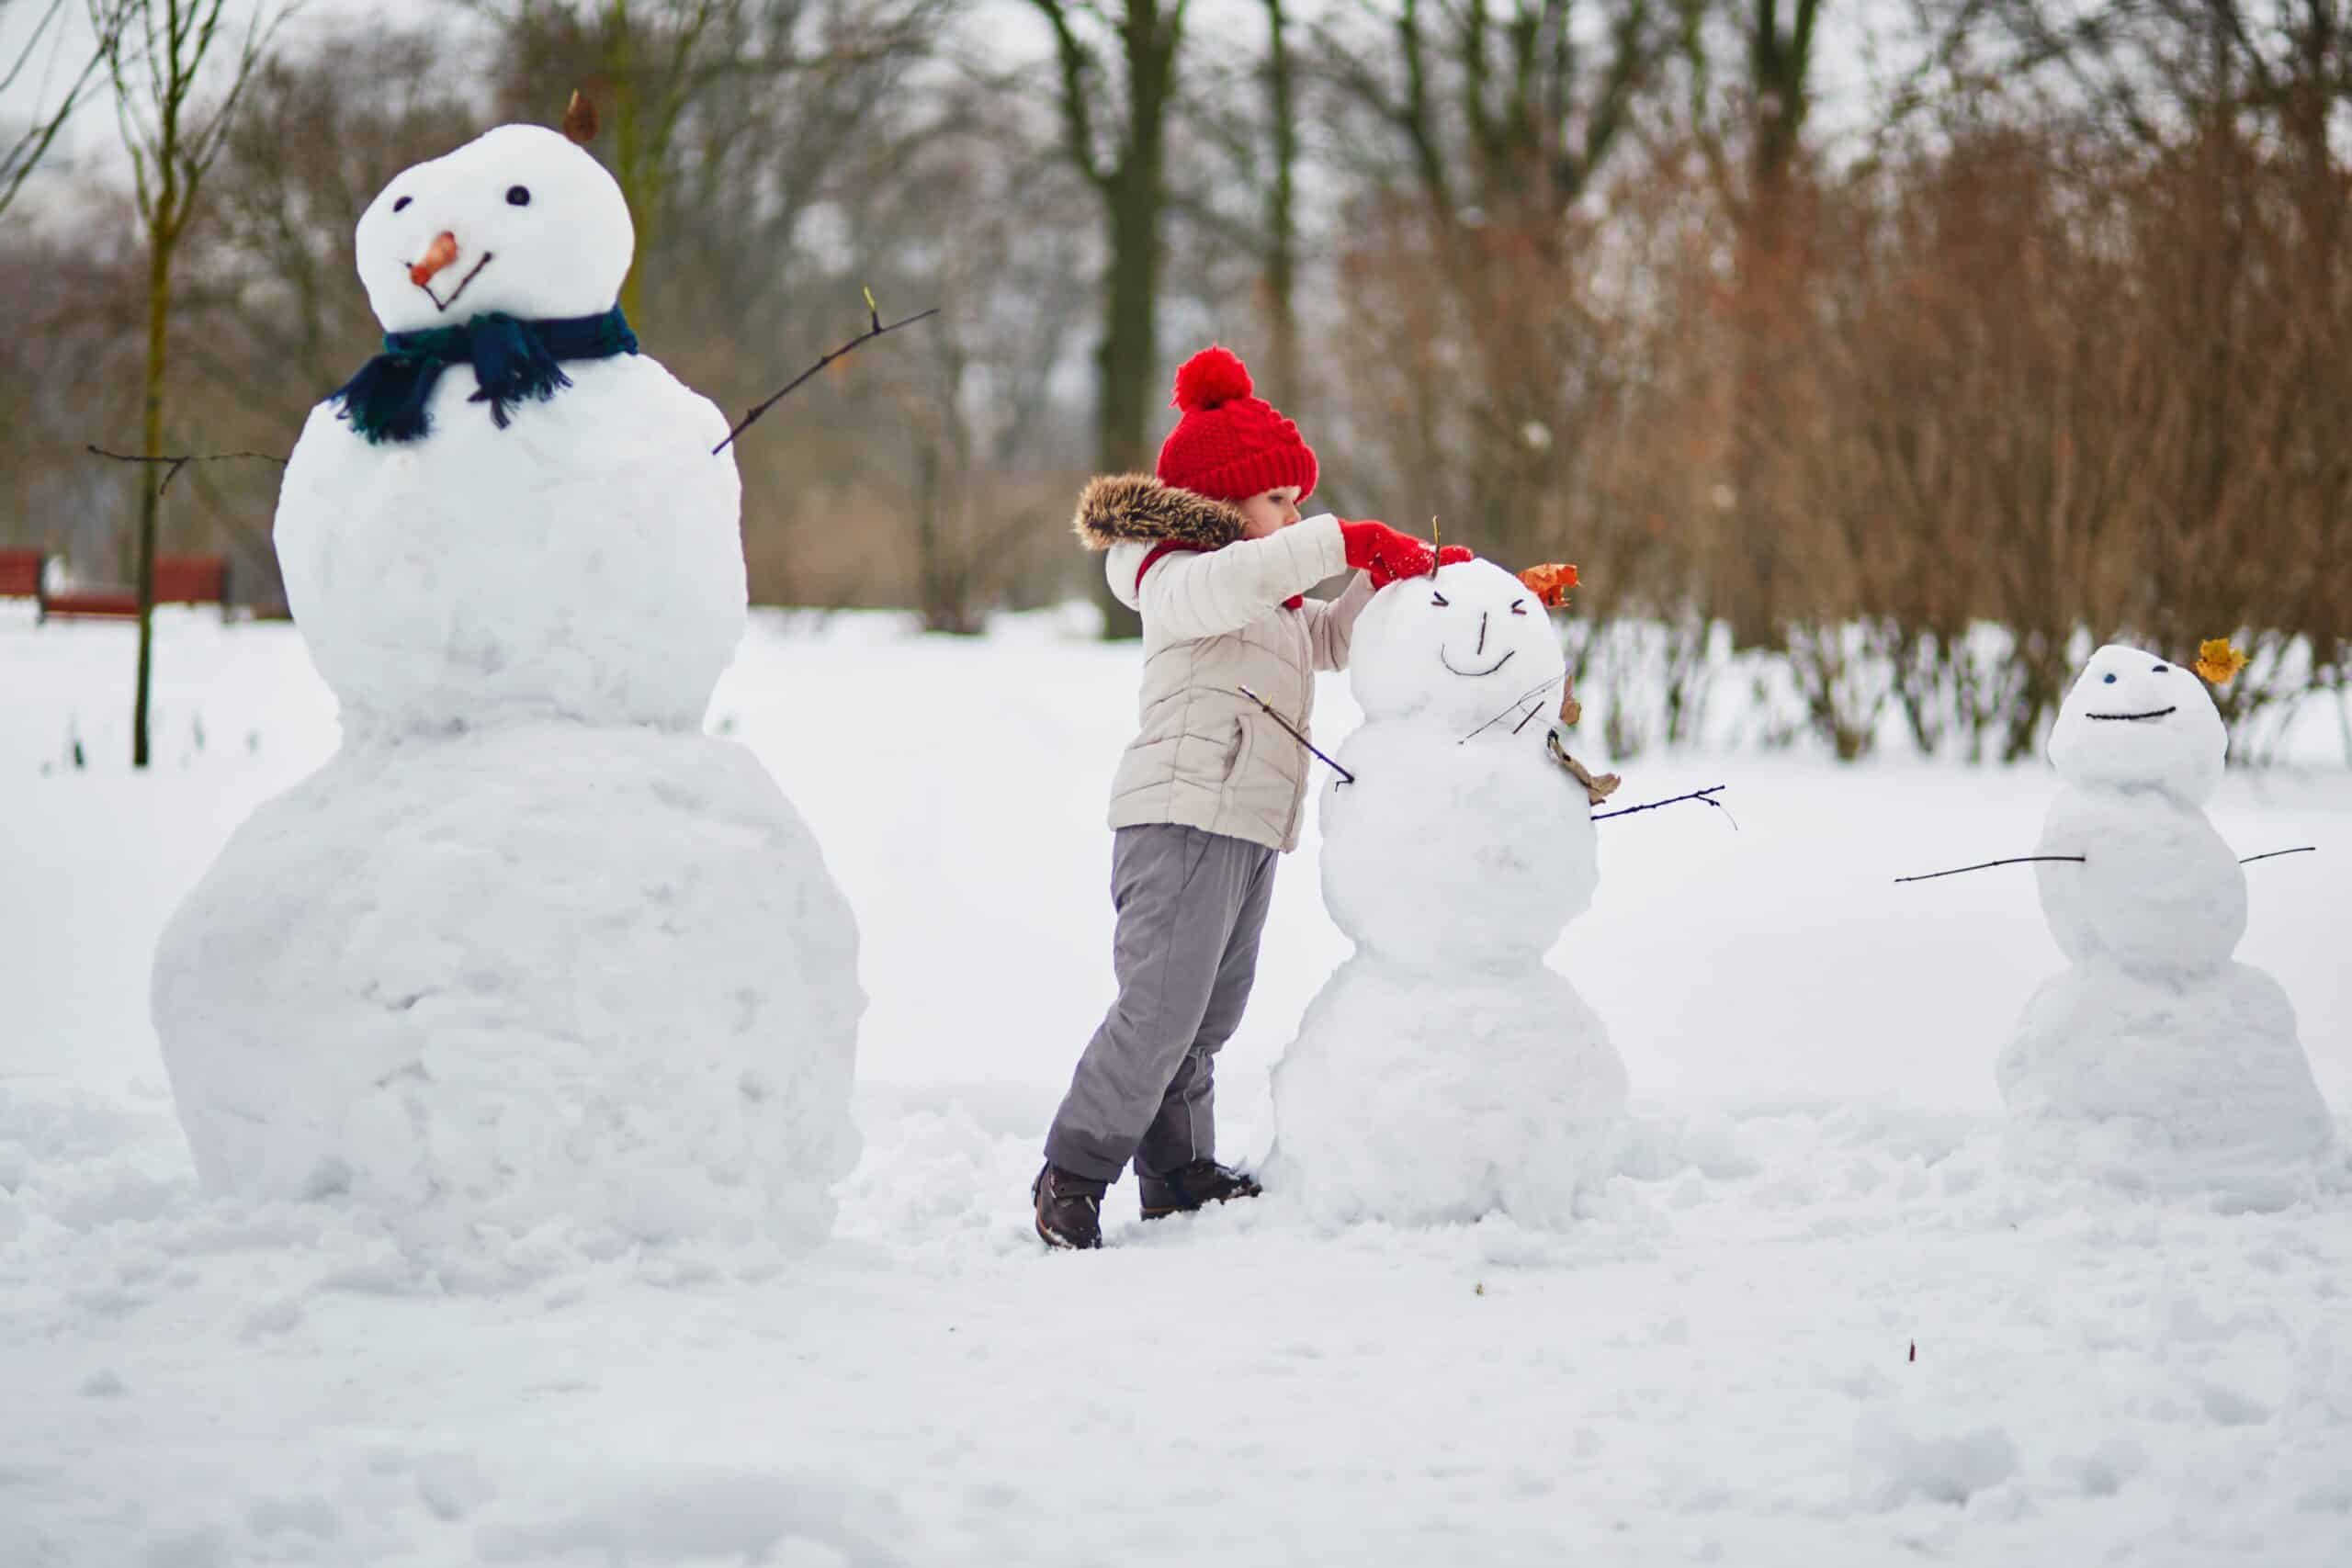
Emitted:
pixel 1293 730
pixel 1707 795
pixel 1987 865
pixel 2273 854
pixel 181 461
pixel 1523 696
pixel 871 333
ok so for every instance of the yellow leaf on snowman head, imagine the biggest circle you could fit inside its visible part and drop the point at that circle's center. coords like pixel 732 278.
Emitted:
pixel 2218 661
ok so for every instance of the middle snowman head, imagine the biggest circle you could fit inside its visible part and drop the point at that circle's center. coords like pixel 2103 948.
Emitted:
pixel 518 221
pixel 2136 721
pixel 1454 650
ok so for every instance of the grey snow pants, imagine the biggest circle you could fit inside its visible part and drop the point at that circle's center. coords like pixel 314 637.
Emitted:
pixel 1192 905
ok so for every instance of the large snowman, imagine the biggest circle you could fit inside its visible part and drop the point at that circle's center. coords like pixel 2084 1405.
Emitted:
pixel 529 948
pixel 1445 1071
pixel 2154 1060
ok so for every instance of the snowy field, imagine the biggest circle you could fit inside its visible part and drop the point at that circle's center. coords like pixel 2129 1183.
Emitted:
pixel 1715 1365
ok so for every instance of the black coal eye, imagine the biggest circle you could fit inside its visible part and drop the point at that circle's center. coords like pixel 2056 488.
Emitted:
pixel 2110 680
pixel 401 203
pixel 518 195
pixel 2160 669
pixel 1519 606
pixel 1440 599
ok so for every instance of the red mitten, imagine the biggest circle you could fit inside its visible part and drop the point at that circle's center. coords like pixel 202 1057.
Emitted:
pixel 1455 555
pixel 1385 552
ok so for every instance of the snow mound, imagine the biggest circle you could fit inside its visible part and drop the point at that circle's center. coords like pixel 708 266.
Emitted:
pixel 540 972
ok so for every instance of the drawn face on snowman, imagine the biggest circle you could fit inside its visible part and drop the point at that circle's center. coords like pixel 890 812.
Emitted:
pixel 517 221
pixel 1455 649
pixel 2135 721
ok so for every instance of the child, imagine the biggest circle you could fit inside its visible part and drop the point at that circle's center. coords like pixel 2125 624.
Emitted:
pixel 1213 554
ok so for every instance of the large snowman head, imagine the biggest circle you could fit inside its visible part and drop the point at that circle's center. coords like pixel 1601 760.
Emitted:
pixel 1453 649
pixel 518 221
pixel 2135 721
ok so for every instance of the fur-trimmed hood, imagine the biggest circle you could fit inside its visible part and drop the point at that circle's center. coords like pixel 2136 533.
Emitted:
pixel 1139 509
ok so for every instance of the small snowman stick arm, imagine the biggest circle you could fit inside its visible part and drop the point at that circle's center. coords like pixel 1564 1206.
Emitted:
pixel 1707 795
pixel 875 328
pixel 1987 865
pixel 1292 730
pixel 2272 854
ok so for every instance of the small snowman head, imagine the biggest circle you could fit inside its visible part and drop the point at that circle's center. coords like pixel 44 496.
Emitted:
pixel 2135 721
pixel 518 221
pixel 1452 648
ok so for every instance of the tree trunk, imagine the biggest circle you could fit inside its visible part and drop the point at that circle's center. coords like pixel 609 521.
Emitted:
pixel 1282 215
pixel 628 153
pixel 1129 360
pixel 151 500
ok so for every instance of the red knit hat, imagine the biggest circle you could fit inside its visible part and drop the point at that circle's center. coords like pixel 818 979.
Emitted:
pixel 1230 445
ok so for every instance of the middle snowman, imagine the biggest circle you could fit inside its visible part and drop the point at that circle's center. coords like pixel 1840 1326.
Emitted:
pixel 1445 1072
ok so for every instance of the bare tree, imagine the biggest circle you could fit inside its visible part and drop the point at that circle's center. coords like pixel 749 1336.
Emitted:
pixel 165 52
pixel 45 49
pixel 1117 77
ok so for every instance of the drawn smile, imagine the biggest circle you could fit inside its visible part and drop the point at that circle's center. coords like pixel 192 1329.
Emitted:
pixel 2129 718
pixel 1475 674
pixel 442 305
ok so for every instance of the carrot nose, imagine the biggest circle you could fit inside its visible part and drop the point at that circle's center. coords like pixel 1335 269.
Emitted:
pixel 438 254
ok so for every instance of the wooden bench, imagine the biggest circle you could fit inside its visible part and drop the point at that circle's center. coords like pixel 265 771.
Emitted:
pixel 20 573
pixel 179 580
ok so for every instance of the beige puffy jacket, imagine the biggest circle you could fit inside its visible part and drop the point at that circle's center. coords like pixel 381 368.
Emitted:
pixel 1213 621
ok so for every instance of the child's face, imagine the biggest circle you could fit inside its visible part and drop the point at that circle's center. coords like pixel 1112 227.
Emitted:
pixel 1269 510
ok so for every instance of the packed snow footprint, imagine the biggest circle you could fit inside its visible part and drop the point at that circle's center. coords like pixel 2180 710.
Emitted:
pixel 528 948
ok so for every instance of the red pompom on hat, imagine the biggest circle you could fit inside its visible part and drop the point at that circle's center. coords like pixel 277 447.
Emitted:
pixel 1230 445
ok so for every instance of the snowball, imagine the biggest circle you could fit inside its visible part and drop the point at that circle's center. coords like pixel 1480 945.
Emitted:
pixel 1451 855
pixel 1421 1101
pixel 1444 1072
pixel 537 972
pixel 584 562
pixel 1453 650
pixel 2135 721
pixel 561 250
pixel 2158 893
pixel 2158 1084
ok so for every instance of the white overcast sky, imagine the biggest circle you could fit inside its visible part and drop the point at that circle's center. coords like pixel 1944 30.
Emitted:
pixel 1855 31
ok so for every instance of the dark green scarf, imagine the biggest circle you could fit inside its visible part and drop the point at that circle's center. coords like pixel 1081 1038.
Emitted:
pixel 513 360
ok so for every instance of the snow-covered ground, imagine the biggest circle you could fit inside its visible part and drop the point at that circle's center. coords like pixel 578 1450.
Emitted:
pixel 1715 1365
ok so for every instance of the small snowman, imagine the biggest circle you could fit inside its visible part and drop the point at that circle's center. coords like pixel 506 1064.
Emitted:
pixel 2154 1060
pixel 1444 1072
pixel 529 949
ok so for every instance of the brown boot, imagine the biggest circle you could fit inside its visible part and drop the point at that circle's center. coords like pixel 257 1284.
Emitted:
pixel 1069 1209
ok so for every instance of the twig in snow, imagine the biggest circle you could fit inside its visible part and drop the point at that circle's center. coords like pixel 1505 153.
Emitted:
pixel 2299 850
pixel 180 461
pixel 1292 730
pixel 1707 795
pixel 1987 865
pixel 874 330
